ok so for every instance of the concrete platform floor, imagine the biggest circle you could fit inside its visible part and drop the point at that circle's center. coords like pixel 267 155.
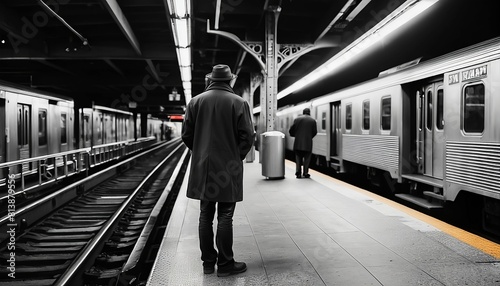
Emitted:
pixel 321 231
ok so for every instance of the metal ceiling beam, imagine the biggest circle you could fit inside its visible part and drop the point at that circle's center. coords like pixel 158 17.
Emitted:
pixel 335 19
pixel 56 67
pixel 120 19
pixel 80 82
pixel 100 50
pixel 114 67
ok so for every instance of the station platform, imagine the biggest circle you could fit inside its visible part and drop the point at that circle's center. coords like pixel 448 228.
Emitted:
pixel 321 231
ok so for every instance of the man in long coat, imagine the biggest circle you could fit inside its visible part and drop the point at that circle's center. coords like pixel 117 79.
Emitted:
pixel 303 129
pixel 218 129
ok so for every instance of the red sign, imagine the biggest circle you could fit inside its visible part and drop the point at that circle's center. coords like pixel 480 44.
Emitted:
pixel 176 117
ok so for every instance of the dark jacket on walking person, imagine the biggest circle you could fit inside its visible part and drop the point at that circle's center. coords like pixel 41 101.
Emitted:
pixel 303 129
pixel 218 129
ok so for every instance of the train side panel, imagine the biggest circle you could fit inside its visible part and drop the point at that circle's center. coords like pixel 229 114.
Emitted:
pixel 60 127
pixel 26 126
pixel 371 129
pixel 86 121
pixel 472 130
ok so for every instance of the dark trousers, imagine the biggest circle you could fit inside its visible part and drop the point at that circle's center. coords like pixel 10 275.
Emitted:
pixel 302 158
pixel 224 237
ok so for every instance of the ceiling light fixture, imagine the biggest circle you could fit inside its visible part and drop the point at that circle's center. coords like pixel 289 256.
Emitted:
pixel 180 11
pixel 394 21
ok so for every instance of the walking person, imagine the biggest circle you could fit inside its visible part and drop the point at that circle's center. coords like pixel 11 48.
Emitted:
pixel 303 129
pixel 218 129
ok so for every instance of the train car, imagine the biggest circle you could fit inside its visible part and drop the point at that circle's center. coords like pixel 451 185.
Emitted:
pixel 33 124
pixel 102 125
pixel 155 128
pixel 173 129
pixel 426 129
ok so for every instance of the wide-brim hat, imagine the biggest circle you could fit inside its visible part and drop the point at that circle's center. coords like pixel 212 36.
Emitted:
pixel 221 73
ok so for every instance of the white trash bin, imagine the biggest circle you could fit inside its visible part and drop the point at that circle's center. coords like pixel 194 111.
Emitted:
pixel 273 154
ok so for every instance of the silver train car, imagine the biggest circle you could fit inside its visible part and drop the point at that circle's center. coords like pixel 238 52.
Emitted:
pixel 428 131
pixel 102 125
pixel 33 123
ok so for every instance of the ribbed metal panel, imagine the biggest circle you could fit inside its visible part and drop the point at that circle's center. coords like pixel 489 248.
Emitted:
pixel 376 151
pixel 476 165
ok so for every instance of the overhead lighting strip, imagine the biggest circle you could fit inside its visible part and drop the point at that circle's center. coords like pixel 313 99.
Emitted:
pixel 391 23
pixel 180 11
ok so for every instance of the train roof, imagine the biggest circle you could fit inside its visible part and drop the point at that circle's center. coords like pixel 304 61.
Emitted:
pixel 469 56
pixel 109 109
pixel 16 88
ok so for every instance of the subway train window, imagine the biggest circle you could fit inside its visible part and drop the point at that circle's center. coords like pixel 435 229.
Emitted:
pixel 99 129
pixel 429 110
pixel 323 120
pixel 386 113
pixel 86 127
pixel 473 109
pixel 366 115
pixel 440 109
pixel 23 131
pixel 348 116
pixel 126 128
pixel 42 127
pixel 19 125
pixel 64 138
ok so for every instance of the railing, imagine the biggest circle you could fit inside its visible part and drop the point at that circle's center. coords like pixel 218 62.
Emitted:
pixel 43 169
pixel 27 174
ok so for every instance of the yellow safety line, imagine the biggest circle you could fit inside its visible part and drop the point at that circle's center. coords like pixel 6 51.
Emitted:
pixel 471 239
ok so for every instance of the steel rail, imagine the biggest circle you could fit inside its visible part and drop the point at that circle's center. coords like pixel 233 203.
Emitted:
pixel 74 267
pixel 76 184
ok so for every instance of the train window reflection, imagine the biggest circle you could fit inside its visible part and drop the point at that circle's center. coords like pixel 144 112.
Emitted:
pixel 64 138
pixel 19 125
pixel 323 121
pixel 386 113
pixel 86 126
pixel 348 116
pixel 366 115
pixel 440 109
pixel 473 108
pixel 429 110
pixel 42 127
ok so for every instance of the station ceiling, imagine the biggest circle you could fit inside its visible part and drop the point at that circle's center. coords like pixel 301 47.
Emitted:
pixel 110 52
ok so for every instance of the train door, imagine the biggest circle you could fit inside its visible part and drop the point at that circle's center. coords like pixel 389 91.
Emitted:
pixel 3 126
pixel 97 127
pixel 86 130
pixel 335 132
pixel 24 132
pixel 64 130
pixel 430 136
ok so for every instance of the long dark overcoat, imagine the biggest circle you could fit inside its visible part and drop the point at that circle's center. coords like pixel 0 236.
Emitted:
pixel 218 129
pixel 303 129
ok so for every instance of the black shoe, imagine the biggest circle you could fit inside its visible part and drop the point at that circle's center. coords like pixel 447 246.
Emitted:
pixel 298 175
pixel 307 176
pixel 238 267
pixel 208 269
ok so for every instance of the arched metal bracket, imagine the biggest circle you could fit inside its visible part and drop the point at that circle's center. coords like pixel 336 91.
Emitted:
pixel 253 48
pixel 288 52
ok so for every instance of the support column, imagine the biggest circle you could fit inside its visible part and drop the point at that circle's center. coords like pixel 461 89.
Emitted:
pixel 271 80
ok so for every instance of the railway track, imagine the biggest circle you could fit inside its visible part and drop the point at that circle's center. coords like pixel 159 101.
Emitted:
pixel 87 240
